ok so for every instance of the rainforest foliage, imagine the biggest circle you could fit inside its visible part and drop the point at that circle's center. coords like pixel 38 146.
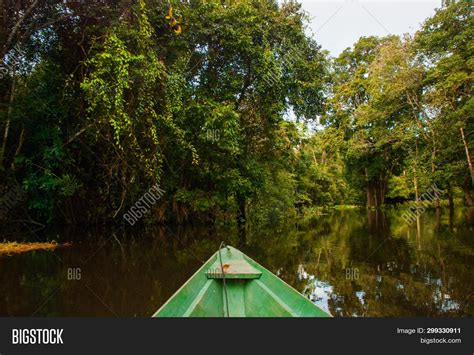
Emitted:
pixel 230 107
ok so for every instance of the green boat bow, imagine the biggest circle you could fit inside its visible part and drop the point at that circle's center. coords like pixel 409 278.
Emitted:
pixel 230 284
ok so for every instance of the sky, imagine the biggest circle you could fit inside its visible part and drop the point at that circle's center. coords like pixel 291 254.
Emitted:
pixel 337 24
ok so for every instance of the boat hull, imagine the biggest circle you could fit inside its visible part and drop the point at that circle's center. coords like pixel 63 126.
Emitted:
pixel 250 291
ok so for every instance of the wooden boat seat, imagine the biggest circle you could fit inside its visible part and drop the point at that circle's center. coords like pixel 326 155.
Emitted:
pixel 233 269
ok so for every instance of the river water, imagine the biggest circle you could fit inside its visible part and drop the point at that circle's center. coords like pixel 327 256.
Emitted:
pixel 351 263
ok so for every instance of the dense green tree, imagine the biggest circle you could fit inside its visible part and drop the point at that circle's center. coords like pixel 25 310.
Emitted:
pixel 229 106
pixel 359 110
pixel 445 45
pixel 131 103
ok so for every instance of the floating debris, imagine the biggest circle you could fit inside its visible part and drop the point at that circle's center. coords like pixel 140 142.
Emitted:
pixel 17 248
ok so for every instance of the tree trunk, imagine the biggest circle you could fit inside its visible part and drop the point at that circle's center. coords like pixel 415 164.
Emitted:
pixel 451 218
pixel 417 192
pixel 18 149
pixel 468 155
pixel 3 28
pixel 450 201
pixel 14 32
pixel 433 166
pixel 370 196
pixel 438 219
pixel 383 189
pixel 369 190
pixel 470 216
pixel 375 193
pixel 468 196
pixel 415 178
pixel 9 113
pixel 418 231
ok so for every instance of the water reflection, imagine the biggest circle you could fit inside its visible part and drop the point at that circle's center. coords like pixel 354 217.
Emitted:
pixel 351 263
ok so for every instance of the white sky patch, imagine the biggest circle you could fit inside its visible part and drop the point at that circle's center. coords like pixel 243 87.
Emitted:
pixel 337 24
pixel 321 295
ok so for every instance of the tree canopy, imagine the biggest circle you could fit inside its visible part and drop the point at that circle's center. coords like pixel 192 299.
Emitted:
pixel 230 107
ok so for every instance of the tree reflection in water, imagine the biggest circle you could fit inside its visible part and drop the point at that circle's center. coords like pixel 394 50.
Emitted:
pixel 352 263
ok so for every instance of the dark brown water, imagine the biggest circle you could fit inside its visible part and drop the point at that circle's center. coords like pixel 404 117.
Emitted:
pixel 352 263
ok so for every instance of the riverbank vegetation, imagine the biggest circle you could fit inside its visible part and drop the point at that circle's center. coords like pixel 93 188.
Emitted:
pixel 230 107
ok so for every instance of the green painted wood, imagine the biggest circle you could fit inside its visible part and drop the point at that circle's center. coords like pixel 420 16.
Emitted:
pixel 260 302
pixel 252 291
pixel 236 298
pixel 206 303
pixel 234 269
pixel 179 304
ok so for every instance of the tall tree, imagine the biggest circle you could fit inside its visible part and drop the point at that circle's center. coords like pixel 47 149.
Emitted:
pixel 445 45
